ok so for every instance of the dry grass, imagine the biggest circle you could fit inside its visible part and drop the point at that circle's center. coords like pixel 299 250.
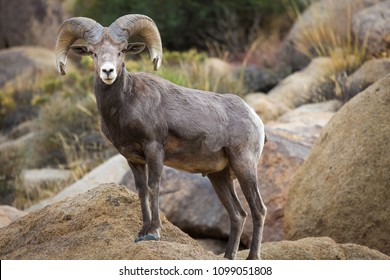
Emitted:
pixel 27 196
pixel 192 69
pixel 323 37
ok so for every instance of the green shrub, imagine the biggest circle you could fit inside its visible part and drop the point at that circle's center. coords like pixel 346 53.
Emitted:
pixel 186 24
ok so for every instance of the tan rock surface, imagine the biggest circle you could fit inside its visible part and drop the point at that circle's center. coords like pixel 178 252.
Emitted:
pixel 99 224
pixel 343 188
pixel 316 248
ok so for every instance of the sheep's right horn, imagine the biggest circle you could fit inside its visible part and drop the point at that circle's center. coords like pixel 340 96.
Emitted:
pixel 71 30
pixel 139 25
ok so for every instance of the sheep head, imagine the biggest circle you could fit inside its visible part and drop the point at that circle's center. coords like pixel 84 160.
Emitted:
pixel 108 45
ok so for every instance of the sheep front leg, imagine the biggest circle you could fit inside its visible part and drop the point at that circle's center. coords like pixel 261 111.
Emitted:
pixel 139 172
pixel 154 154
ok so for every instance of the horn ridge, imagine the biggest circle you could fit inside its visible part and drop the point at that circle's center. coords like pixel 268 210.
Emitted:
pixel 71 30
pixel 143 26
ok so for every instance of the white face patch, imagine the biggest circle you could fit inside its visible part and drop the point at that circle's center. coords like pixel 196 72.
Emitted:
pixel 108 73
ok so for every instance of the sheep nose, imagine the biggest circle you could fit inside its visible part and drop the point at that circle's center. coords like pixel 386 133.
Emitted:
pixel 108 71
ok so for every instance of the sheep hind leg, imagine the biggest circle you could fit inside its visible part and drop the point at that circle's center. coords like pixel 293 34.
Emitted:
pixel 246 171
pixel 224 187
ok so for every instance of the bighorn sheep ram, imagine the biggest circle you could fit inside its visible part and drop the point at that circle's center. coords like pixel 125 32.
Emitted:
pixel 153 122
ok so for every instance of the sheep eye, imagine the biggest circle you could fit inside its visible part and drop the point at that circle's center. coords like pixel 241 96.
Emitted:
pixel 94 55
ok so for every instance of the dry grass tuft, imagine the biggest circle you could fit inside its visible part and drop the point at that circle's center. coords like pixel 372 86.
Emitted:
pixel 328 36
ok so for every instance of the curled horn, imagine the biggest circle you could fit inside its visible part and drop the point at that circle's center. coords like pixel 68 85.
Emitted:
pixel 71 30
pixel 144 27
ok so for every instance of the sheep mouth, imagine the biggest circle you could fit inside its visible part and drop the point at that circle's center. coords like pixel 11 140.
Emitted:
pixel 108 81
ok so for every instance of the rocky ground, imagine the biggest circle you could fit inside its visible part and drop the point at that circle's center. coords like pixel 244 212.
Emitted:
pixel 103 222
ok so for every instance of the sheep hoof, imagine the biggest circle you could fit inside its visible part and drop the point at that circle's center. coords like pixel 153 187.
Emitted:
pixel 138 239
pixel 152 236
pixel 148 237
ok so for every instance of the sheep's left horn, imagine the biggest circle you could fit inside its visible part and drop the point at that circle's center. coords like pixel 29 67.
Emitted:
pixel 71 30
pixel 142 26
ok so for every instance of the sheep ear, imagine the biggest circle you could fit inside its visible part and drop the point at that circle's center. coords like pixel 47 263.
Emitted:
pixel 134 48
pixel 80 50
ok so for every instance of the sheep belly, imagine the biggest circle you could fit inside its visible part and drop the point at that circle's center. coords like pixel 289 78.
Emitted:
pixel 193 156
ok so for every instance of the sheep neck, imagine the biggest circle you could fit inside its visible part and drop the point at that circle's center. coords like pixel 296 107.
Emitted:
pixel 110 96
pixel 109 99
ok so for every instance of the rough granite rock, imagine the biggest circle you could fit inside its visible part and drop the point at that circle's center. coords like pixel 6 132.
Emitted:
pixel 315 83
pixel 99 224
pixel 267 108
pixel 333 15
pixel 316 248
pixel 343 188
pixel 22 67
pixel 371 26
pixel 103 222
pixel 30 22
pixel 306 86
pixel 367 74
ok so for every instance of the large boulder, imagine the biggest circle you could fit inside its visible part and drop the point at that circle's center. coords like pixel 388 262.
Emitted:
pixel 326 20
pixel 99 224
pixel 260 79
pixel 367 74
pixel 30 22
pixel 306 121
pixel 306 86
pixel 343 188
pixel 267 108
pixel 315 83
pixel 23 67
pixel 316 248
pixel 371 27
